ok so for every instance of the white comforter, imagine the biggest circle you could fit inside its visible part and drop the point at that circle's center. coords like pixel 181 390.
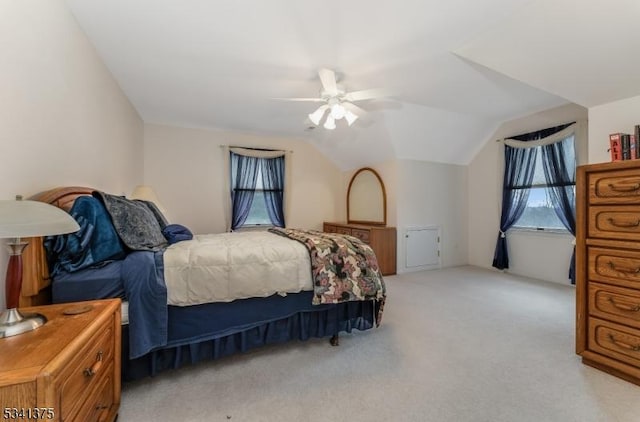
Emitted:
pixel 228 266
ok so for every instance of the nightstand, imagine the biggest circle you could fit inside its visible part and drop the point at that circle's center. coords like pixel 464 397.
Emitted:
pixel 69 369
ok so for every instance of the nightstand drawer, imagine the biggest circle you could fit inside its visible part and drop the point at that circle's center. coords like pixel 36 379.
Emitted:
pixel 614 340
pixel 98 404
pixel 86 370
pixel 615 304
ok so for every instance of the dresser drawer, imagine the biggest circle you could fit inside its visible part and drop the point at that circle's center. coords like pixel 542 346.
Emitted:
pixel 343 230
pixel 86 370
pixel 614 187
pixel 327 228
pixel 361 234
pixel 614 340
pixel 614 266
pixel 615 304
pixel 614 222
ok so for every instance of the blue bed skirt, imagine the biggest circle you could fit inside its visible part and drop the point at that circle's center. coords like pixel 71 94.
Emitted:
pixel 206 332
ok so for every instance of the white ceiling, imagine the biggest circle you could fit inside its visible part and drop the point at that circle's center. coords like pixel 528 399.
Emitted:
pixel 220 64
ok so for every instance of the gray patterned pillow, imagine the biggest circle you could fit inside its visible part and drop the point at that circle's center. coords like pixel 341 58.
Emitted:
pixel 135 221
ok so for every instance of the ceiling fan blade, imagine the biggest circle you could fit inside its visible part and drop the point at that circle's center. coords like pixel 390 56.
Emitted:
pixel 354 109
pixel 328 79
pixel 315 100
pixel 366 94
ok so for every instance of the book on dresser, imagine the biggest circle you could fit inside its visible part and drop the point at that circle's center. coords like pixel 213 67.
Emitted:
pixel 382 240
pixel 608 267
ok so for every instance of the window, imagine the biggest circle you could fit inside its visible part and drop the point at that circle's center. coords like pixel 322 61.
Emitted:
pixel 539 213
pixel 258 214
pixel 257 188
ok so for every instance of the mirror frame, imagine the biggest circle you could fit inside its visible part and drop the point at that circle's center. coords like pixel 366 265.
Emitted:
pixel 384 199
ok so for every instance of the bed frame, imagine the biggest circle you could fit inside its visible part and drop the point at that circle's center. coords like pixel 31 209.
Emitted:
pixel 36 290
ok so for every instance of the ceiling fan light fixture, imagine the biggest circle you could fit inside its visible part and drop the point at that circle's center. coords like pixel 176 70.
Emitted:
pixel 330 123
pixel 338 111
pixel 350 117
pixel 317 115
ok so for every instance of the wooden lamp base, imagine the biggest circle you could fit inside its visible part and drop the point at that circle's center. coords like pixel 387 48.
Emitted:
pixel 12 322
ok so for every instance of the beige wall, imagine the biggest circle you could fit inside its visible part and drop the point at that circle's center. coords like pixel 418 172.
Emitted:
pixel 185 167
pixel 542 256
pixel 618 116
pixel 433 194
pixel 63 118
pixel 423 193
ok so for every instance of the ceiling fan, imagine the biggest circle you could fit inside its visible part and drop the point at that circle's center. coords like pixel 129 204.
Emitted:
pixel 337 101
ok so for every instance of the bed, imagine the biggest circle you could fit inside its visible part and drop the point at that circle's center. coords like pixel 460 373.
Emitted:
pixel 179 330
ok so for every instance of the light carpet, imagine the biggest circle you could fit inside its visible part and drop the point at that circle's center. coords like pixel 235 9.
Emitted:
pixel 459 344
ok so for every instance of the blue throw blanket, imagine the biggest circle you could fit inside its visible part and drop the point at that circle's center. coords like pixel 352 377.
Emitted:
pixel 95 242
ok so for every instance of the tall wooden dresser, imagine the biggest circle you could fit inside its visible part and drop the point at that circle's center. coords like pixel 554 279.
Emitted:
pixel 382 240
pixel 66 370
pixel 608 267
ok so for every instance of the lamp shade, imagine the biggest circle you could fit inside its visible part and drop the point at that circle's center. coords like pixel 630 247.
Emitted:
pixel 350 117
pixel 20 218
pixel 146 193
pixel 317 115
pixel 330 123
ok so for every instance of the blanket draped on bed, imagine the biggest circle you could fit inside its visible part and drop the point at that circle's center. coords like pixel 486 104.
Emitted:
pixel 94 244
pixel 143 280
pixel 343 267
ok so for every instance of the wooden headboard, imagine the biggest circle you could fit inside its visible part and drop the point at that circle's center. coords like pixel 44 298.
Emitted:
pixel 36 284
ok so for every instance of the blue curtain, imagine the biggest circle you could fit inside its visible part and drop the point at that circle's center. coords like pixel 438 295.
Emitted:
pixel 244 176
pixel 273 185
pixel 518 176
pixel 557 160
pixel 519 171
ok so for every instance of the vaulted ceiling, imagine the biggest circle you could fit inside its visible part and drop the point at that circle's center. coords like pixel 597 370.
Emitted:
pixel 455 69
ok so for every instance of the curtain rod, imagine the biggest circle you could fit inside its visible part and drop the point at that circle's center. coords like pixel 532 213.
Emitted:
pixel 523 134
pixel 254 148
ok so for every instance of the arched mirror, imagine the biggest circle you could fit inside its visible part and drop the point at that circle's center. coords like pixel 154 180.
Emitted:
pixel 366 198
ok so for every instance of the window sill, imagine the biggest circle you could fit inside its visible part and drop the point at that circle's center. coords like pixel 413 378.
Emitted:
pixel 254 227
pixel 544 231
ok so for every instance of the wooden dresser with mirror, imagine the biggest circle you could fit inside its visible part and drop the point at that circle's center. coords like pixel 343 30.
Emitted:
pixel 367 218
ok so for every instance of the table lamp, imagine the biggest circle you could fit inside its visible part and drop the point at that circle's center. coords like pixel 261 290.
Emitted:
pixel 18 219
pixel 146 193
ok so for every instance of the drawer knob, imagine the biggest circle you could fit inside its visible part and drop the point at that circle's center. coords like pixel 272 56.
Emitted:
pixel 631 188
pixel 624 225
pixel 623 270
pixel 89 372
pixel 632 347
pixel 624 306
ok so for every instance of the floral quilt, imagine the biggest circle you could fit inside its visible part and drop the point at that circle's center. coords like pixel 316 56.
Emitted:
pixel 343 268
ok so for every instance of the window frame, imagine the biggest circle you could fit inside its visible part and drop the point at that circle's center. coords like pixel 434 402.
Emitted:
pixel 259 189
pixel 545 229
